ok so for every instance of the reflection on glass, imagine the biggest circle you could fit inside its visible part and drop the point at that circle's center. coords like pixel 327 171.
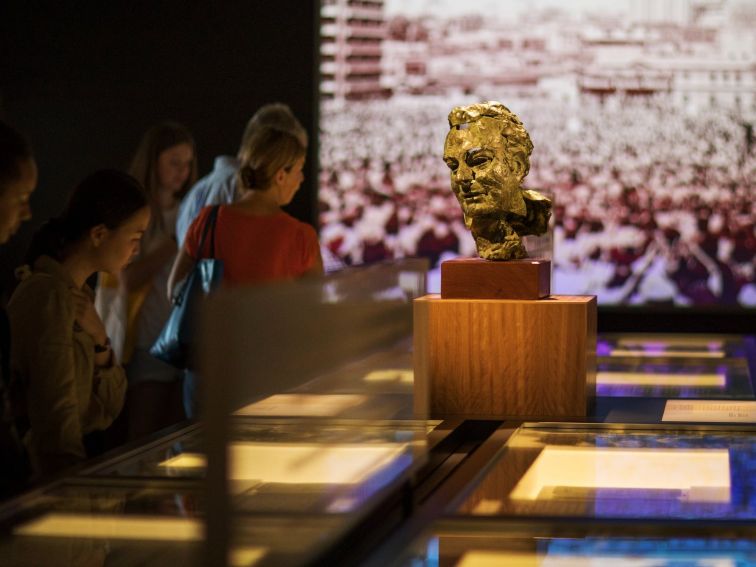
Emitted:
pixel 304 405
pixel 106 526
pixel 660 379
pixel 673 378
pixel 670 346
pixel 301 463
pixel 559 472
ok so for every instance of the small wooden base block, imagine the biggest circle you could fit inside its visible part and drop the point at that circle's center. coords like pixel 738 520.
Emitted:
pixel 476 278
pixel 490 359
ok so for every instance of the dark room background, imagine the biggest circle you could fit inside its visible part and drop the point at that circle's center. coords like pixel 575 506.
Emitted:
pixel 84 80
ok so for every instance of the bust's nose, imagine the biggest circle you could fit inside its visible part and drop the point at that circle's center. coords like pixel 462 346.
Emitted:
pixel 464 178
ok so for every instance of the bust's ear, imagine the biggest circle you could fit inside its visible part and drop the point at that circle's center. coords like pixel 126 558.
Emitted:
pixel 517 165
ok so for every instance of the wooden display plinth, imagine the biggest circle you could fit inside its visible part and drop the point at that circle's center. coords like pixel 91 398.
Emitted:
pixel 475 278
pixel 495 358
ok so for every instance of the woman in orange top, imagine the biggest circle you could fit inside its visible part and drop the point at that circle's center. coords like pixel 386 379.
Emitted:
pixel 254 238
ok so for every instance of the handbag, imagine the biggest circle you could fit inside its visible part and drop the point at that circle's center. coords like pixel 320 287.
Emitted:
pixel 176 342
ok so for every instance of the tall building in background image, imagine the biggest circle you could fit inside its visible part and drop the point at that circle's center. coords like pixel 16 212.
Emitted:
pixel 352 35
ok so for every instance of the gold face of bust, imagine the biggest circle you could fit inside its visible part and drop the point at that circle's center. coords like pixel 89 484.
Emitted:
pixel 481 178
pixel 487 150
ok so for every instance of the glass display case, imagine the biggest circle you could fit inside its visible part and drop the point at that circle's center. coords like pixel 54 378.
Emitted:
pixel 85 524
pixel 289 466
pixel 598 473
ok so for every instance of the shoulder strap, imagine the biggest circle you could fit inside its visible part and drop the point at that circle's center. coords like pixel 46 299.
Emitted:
pixel 209 227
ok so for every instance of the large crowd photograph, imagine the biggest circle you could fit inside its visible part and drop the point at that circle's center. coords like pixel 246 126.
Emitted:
pixel 641 114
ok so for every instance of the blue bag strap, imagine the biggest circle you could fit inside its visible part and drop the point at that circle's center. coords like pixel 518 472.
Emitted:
pixel 209 227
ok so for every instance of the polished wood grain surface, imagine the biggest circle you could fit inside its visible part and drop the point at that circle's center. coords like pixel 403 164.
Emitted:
pixel 476 278
pixel 499 358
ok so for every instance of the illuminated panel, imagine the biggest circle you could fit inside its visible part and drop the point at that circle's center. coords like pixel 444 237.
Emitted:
pixel 391 376
pixel 185 461
pixel 701 475
pixel 515 559
pixel 246 556
pixel 113 527
pixel 668 353
pixel 301 463
pixel 310 405
pixel 646 379
pixel 661 344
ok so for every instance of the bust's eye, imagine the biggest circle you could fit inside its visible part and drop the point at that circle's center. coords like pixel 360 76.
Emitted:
pixel 452 164
pixel 478 160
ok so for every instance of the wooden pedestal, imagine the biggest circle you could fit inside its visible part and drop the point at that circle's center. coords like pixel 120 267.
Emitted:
pixel 475 278
pixel 495 358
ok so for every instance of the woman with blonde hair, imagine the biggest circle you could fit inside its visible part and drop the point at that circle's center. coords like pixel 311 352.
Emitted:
pixel 133 304
pixel 254 238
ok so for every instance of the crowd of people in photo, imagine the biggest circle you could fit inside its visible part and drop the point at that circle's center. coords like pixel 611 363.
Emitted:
pixel 77 371
pixel 653 203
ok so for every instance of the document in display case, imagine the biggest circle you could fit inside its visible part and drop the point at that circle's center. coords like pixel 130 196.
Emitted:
pixel 600 473
pixel 290 466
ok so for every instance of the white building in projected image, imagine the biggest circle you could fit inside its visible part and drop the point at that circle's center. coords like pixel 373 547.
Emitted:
pixel 352 34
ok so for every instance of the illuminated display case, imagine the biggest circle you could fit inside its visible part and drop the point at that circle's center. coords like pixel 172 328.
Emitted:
pixel 602 473
pixel 285 466
pixel 86 524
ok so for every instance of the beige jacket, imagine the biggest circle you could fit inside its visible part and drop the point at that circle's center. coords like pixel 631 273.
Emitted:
pixel 61 390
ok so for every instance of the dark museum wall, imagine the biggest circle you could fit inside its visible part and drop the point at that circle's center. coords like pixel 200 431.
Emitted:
pixel 85 80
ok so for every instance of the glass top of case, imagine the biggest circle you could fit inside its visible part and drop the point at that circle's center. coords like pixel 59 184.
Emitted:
pixel 609 473
pixel 486 548
pixel 90 525
pixel 285 467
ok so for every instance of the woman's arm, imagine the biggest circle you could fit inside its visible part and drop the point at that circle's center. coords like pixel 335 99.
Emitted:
pixel 181 268
pixel 145 268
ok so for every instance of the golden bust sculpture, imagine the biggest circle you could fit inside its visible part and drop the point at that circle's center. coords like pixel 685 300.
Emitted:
pixel 488 151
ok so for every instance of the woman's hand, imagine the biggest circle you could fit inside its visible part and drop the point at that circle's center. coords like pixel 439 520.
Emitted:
pixel 87 317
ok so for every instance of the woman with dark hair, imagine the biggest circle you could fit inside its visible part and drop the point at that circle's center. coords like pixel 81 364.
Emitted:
pixel 133 304
pixel 65 380
pixel 18 179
